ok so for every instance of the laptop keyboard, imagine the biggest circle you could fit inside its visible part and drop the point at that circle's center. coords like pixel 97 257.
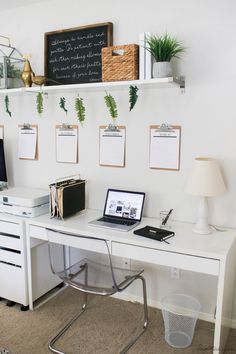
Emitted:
pixel 119 222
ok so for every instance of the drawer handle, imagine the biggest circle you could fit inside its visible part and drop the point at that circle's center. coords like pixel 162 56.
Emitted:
pixel 10 250
pixel 11 264
pixel 8 235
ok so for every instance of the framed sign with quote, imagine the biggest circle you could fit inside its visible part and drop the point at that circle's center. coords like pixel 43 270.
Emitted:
pixel 73 56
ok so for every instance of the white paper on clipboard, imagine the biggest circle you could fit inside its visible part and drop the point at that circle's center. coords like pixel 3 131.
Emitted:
pixel 112 147
pixel 164 148
pixel 27 142
pixel 67 144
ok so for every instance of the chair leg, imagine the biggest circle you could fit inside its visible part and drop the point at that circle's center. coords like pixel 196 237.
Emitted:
pixel 67 326
pixel 63 330
pixel 146 321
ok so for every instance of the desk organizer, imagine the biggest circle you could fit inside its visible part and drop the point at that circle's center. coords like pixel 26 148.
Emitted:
pixel 120 63
pixel 67 197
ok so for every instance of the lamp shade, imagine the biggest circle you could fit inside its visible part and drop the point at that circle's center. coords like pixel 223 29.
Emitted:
pixel 205 178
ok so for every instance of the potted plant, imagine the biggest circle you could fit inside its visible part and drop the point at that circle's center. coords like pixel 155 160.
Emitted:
pixel 13 73
pixel 163 49
pixel 10 74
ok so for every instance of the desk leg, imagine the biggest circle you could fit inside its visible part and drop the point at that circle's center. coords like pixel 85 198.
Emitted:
pixel 224 304
pixel 29 269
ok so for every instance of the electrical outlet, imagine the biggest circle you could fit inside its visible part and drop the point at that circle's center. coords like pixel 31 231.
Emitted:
pixel 126 263
pixel 121 262
pixel 175 273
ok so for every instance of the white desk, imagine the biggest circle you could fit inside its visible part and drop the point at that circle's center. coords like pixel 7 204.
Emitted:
pixel 212 254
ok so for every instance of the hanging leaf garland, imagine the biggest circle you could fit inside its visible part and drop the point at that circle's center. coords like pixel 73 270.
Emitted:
pixel 133 96
pixel 39 103
pixel 80 109
pixel 111 105
pixel 7 105
pixel 62 104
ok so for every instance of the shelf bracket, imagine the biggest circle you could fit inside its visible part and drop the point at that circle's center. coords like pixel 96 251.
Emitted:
pixel 181 82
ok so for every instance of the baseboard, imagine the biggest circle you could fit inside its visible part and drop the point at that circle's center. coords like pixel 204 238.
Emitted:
pixel 156 304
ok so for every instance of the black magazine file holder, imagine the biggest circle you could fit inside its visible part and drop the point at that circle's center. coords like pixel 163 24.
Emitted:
pixel 67 197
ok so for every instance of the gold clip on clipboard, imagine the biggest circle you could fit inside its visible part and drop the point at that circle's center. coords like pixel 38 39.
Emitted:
pixel 112 146
pixel 67 196
pixel 67 143
pixel 28 142
pixel 165 147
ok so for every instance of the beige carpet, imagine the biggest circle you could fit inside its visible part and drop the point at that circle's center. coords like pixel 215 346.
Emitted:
pixel 103 329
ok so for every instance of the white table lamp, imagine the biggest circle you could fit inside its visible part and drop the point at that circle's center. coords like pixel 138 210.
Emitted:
pixel 205 180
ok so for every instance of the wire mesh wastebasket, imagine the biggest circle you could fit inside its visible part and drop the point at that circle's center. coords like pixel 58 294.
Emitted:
pixel 180 313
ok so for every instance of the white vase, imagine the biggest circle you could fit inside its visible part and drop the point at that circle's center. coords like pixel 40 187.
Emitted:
pixel 161 69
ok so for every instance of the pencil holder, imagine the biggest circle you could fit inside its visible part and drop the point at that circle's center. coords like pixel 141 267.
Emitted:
pixel 163 216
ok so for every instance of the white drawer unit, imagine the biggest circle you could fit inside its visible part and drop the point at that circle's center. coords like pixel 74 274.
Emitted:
pixel 13 263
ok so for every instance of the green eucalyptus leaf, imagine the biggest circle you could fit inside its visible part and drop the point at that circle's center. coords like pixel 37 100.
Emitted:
pixel 39 103
pixel 111 105
pixel 133 96
pixel 7 105
pixel 80 109
pixel 62 104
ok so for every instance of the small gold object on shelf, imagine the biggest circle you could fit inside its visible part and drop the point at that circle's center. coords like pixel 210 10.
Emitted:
pixel 27 72
pixel 38 79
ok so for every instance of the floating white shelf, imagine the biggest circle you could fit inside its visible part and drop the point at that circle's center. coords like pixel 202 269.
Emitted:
pixel 152 83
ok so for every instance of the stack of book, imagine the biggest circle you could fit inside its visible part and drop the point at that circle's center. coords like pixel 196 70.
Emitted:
pixel 145 58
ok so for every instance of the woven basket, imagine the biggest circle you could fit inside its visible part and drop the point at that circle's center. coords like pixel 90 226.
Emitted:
pixel 120 63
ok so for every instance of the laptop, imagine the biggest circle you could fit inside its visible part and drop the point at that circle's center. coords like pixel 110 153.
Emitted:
pixel 122 211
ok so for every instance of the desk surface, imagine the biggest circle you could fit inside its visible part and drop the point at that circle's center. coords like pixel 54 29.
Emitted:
pixel 215 245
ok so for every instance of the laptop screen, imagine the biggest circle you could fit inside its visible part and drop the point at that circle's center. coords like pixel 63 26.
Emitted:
pixel 124 204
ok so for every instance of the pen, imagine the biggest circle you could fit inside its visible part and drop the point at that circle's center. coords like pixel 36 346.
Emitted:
pixel 167 217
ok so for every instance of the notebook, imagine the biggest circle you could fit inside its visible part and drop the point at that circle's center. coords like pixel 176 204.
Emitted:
pixel 154 233
pixel 122 210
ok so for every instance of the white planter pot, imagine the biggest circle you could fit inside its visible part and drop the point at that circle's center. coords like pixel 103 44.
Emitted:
pixel 161 69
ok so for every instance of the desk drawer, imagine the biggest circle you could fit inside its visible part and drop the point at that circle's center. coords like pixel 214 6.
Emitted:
pixel 13 284
pixel 11 257
pixel 165 258
pixel 10 241
pixel 9 227
pixel 38 232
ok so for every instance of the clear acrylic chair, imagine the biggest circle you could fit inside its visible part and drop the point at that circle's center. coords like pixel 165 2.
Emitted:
pixel 93 274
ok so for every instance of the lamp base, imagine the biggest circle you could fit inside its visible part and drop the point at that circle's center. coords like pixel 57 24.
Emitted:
pixel 202 230
pixel 202 226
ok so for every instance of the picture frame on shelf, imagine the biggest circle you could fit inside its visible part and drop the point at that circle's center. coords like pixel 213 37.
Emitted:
pixel 73 56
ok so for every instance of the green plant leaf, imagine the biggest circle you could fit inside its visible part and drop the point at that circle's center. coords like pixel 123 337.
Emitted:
pixel 133 96
pixel 39 103
pixel 111 105
pixel 7 104
pixel 164 48
pixel 62 104
pixel 80 109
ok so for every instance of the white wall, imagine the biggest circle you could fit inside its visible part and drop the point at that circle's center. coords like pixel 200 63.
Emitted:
pixel 206 111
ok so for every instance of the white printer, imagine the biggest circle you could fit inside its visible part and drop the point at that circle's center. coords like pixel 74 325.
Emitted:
pixel 22 201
